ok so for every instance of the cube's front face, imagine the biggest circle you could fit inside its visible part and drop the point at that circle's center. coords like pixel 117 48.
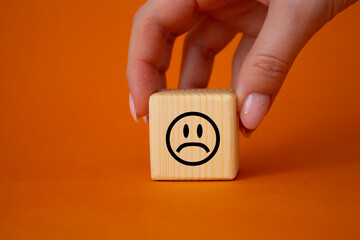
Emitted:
pixel 193 135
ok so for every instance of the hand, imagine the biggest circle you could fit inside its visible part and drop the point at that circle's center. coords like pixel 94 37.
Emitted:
pixel 274 32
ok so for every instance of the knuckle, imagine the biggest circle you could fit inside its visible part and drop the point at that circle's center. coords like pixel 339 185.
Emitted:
pixel 192 43
pixel 138 14
pixel 206 52
pixel 270 67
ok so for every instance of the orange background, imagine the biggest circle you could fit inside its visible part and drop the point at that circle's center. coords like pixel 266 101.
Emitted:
pixel 73 164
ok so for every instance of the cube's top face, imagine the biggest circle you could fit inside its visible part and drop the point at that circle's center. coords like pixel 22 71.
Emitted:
pixel 190 123
pixel 195 93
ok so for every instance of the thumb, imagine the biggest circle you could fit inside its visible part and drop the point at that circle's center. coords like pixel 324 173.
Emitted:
pixel 286 30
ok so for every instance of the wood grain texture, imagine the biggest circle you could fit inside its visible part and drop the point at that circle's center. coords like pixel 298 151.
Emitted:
pixel 164 111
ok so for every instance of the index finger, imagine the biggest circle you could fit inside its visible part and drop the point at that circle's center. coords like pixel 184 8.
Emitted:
pixel 154 29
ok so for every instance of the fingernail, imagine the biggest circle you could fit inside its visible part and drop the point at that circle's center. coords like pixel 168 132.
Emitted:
pixel 146 118
pixel 132 108
pixel 254 109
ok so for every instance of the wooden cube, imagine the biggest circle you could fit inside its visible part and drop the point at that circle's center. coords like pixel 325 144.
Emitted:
pixel 194 134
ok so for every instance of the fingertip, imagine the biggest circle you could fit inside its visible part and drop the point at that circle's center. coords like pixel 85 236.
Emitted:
pixel 132 108
pixel 146 119
pixel 245 132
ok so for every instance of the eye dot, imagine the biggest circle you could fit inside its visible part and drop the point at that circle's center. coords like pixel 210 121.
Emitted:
pixel 199 130
pixel 186 130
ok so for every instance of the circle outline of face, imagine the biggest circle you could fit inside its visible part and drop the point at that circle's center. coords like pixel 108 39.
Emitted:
pixel 217 134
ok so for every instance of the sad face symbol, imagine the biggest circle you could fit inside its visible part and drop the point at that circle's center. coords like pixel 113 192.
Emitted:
pixel 204 141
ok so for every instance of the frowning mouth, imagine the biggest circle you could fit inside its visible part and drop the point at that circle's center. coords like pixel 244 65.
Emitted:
pixel 195 144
